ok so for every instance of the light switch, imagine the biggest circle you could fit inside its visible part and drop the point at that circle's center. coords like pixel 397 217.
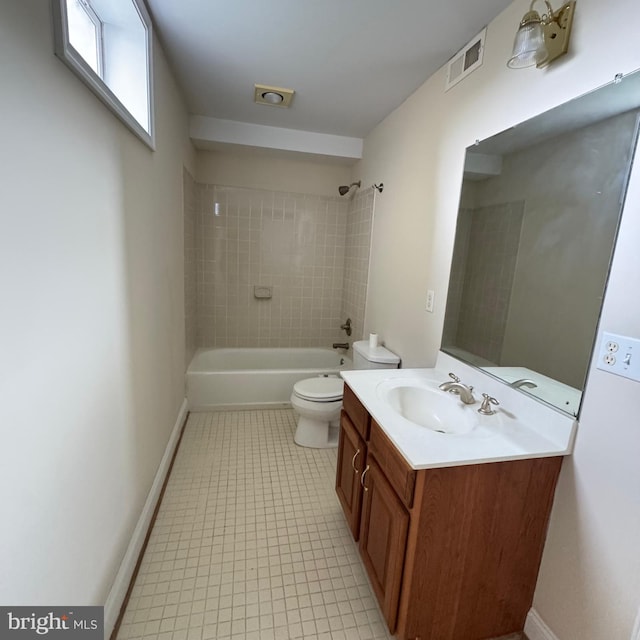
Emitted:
pixel 619 355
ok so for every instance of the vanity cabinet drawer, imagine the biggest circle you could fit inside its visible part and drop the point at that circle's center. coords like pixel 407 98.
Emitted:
pixel 357 413
pixel 400 475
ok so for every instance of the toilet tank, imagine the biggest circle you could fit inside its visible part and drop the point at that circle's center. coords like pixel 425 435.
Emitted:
pixel 366 357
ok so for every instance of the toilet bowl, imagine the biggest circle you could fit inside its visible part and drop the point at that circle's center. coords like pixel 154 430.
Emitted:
pixel 318 401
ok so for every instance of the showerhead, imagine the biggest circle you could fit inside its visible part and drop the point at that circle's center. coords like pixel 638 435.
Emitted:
pixel 344 189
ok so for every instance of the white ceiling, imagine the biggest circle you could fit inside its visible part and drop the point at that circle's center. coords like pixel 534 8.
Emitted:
pixel 351 62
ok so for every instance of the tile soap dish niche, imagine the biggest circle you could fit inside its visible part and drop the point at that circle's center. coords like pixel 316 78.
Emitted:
pixel 263 293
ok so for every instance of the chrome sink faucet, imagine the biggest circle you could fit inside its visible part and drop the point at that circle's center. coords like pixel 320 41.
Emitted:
pixel 460 389
pixel 523 382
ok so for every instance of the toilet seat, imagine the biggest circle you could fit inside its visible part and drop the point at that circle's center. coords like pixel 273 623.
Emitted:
pixel 319 389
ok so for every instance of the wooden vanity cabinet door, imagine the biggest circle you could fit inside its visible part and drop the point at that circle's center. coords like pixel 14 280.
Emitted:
pixel 383 540
pixel 352 452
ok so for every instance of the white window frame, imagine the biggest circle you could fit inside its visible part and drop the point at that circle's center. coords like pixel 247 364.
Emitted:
pixel 68 54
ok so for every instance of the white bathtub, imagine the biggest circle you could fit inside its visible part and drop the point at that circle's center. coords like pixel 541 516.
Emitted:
pixel 229 378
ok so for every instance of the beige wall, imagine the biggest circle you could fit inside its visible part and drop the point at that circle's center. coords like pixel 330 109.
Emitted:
pixel 92 326
pixel 256 169
pixel 589 586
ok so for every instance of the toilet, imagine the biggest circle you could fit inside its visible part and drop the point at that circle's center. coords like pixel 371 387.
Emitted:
pixel 318 401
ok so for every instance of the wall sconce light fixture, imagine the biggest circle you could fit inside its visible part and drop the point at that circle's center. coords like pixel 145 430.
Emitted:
pixel 541 39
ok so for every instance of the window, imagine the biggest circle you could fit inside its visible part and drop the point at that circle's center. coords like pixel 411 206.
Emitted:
pixel 107 43
pixel 85 33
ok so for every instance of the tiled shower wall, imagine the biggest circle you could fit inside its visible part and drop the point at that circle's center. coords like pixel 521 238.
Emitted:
pixel 494 236
pixel 457 276
pixel 357 253
pixel 190 265
pixel 312 251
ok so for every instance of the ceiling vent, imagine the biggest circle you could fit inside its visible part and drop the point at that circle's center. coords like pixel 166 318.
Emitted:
pixel 467 60
pixel 272 96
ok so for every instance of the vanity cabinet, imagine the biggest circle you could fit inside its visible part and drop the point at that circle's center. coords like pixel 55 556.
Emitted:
pixel 452 553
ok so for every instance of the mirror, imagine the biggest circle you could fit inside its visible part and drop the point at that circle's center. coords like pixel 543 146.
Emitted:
pixel 539 212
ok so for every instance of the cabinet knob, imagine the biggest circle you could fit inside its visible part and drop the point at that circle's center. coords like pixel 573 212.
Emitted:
pixel 353 460
pixel 364 473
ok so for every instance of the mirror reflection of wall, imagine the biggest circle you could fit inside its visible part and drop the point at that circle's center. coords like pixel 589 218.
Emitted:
pixel 535 235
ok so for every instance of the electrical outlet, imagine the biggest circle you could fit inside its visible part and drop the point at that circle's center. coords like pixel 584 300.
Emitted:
pixel 612 346
pixel 619 355
pixel 430 300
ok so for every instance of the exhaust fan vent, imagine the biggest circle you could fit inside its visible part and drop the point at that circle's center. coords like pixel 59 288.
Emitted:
pixel 467 60
pixel 272 96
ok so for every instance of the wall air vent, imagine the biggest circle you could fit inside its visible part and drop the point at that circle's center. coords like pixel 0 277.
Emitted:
pixel 468 59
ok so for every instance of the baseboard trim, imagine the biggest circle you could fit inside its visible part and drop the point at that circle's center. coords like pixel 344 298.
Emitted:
pixel 247 406
pixel 120 589
pixel 536 628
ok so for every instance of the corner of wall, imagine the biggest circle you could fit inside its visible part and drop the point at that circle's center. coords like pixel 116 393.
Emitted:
pixel 536 628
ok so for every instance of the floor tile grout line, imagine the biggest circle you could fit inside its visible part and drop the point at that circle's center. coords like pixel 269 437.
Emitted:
pixel 211 480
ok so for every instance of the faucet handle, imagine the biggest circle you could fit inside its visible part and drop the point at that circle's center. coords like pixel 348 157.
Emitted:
pixel 485 408
pixel 454 377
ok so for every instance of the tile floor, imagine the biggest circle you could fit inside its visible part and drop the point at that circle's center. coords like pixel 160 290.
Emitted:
pixel 250 542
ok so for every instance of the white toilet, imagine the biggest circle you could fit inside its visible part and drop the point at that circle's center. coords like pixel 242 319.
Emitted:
pixel 318 401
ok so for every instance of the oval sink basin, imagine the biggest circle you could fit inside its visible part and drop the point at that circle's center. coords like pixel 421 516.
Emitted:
pixel 422 403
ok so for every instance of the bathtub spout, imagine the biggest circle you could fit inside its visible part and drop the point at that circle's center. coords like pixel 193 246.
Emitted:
pixel 340 345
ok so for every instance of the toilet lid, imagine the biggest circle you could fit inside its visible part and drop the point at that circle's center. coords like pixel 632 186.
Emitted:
pixel 319 389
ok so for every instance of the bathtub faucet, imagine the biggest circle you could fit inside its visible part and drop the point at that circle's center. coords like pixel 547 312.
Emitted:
pixel 340 345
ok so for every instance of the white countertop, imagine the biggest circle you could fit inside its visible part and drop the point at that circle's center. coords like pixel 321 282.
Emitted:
pixel 521 428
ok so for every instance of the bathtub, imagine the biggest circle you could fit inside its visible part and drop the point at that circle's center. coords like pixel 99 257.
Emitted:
pixel 232 378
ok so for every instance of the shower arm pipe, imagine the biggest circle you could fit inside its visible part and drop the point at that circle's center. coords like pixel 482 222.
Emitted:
pixel 344 189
